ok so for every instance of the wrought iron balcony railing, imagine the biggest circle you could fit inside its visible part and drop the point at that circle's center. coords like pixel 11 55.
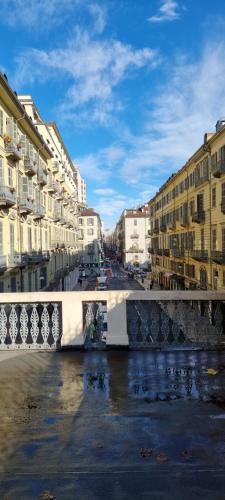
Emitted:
pixel 218 256
pixel 30 167
pixel 7 196
pixel 199 217
pixel 201 255
pixel 13 151
pixel 218 168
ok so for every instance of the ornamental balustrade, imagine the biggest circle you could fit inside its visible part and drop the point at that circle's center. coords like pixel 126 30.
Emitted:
pixel 96 320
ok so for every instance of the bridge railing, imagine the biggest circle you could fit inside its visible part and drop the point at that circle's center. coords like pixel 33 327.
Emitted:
pixel 138 319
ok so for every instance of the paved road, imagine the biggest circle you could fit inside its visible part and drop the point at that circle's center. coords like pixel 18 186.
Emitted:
pixel 119 281
pixel 115 426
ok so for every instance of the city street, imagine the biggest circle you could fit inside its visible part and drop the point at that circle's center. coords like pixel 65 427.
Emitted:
pixel 119 281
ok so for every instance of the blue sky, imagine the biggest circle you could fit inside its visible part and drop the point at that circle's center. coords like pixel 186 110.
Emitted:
pixel 133 85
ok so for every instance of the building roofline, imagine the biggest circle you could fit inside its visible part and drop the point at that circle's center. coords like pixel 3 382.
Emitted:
pixel 23 113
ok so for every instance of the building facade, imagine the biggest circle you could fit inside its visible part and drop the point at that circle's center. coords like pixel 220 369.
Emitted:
pixel 187 221
pixel 81 190
pixel 38 198
pixel 132 235
pixel 90 237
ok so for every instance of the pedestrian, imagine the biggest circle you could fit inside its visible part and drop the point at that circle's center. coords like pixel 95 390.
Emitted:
pixel 142 279
pixel 151 284
pixel 80 281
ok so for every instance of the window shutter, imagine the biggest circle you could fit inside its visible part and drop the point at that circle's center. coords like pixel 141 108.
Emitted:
pixel 1 171
pixel 25 186
pixel 1 122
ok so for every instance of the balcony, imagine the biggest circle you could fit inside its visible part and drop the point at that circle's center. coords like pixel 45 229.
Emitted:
pixel 45 255
pixel 163 228
pixel 30 167
pixel 13 151
pixel 55 167
pixel 172 226
pixel 3 263
pixel 7 196
pixel 34 257
pixel 159 251
pixel 200 255
pixel 184 221
pixel 61 178
pixel 18 260
pixel 218 169
pixel 134 250
pixel 62 221
pixel 178 252
pixel 201 180
pixel 26 205
pixel 42 177
pixel 218 257
pixel 38 212
pixel 52 186
pixel 56 216
pixel 198 217
pixel 134 236
pixel 65 202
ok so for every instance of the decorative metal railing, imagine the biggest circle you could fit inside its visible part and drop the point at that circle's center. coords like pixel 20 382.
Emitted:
pixel 97 319
pixel 30 325
pixel 169 324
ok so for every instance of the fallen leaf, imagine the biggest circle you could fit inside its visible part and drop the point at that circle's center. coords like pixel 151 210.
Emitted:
pixel 186 454
pixel 47 495
pixel 212 371
pixel 161 457
pixel 145 452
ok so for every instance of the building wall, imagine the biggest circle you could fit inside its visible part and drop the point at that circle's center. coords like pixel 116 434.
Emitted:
pixel 89 239
pixel 187 222
pixel 38 214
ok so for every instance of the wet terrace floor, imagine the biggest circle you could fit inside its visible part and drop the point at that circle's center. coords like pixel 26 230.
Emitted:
pixel 113 425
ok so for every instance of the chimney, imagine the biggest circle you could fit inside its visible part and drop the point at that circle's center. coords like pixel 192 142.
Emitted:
pixel 207 136
pixel 220 124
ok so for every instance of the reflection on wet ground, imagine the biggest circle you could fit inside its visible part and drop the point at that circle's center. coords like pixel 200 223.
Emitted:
pixel 100 425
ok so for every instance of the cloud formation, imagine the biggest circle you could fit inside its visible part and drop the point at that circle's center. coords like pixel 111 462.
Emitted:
pixel 169 11
pixel 93 68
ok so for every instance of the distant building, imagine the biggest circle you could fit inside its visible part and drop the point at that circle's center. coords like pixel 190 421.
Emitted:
pixel 132 236
pixel 90 237
pixel 81 189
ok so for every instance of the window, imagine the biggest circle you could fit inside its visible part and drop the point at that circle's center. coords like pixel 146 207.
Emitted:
pixel 80 222
pixel 21 238
pixel 1 239
pixel 202 239
pixel 214 238
pixel 223 239
pixel 192 207
pixel 1 171
pixel 30 282
pixel 29 235
pixel 1 122
pixel 135 222
pixel 11 232
pixel 90 221
pixel 223 190
pixel 10 176
pixel 200 203
pixel 90 232
pixel 213 197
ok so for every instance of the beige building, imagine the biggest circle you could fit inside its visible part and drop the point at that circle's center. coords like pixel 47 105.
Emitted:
pixel 187 220
pixel 132 235
pixel 81 189
pixel 90 237
pixel 38 198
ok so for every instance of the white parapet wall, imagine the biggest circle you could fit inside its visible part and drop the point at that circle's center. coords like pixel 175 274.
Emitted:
pixel 72 309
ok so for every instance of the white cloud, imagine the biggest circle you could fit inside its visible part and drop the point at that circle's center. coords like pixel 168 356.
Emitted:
pixel 92 68
pixel 36 14
pixel 100 166
pixel 187 105
pixel 42 15
pixel 105 191
pixel 169 11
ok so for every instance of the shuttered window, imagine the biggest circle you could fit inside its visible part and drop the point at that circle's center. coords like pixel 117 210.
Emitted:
pixel 10 176
pixel 1 122
pixel 1 171
pixel 1 238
